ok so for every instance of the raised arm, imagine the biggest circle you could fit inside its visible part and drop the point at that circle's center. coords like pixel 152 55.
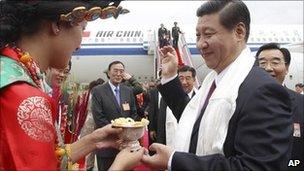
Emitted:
pixel 171 89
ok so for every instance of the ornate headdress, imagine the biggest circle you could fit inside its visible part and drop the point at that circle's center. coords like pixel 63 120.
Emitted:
pixel 80 14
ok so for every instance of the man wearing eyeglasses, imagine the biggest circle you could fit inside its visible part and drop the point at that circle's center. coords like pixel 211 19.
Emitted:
pixel 275 60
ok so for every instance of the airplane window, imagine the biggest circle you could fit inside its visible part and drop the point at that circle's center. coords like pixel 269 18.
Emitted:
pixel 264 39
pixel 276 39
pixel 258 39
pixel 282 39
pixel 294 39
pixel 270 39
pixel 252 39
pixel 287 39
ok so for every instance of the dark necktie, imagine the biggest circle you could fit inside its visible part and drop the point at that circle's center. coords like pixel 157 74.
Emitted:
pixel 117 95
pixel 194 134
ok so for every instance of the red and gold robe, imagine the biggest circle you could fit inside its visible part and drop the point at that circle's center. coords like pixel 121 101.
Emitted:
pixel 27 132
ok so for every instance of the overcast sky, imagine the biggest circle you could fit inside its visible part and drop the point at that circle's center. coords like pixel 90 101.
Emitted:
pixel 152 13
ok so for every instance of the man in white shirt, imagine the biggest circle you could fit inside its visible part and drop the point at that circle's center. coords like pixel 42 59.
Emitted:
pixel 240 119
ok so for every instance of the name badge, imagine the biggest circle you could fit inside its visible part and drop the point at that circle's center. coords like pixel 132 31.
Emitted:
pixel 126 106
pixel 296 130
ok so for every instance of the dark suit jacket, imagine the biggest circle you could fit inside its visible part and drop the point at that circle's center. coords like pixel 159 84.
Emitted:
pixel 161 122
pixel 105 108
pixel 175 32
pixel 162 32
pixel 259 132
pixel 157 115
pixel 161 115
pixel 298 142
pixel 153 109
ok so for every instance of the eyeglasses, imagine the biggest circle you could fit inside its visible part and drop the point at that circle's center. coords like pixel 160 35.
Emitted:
pixel 80 14
pixel 273 63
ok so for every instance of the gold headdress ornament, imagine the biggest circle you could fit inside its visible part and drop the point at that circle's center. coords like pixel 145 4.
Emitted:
pixel 80 14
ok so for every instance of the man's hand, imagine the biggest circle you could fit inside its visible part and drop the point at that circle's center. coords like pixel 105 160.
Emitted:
pixel 106 137
pixel 169 62
pixel 160 159
pixel 126 76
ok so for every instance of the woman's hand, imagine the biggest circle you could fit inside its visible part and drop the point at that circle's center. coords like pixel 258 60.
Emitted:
pixel 127 160
pixel 106 137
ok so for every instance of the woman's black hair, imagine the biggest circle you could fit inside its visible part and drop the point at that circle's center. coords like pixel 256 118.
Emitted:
pixel 24 17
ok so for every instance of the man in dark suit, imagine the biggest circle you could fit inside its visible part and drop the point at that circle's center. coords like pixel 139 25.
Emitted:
pixel 299 88
pixel 187 77
pixel 158 107
pixel 162 32
pixel 258 131
pixel 157 116
pixel 175 34
pixel 276 60
pixel 110 101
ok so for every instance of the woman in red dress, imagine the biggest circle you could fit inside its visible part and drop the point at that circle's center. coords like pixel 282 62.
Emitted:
pixel 36 35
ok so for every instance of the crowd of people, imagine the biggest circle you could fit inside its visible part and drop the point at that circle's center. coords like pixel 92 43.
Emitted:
pixel 241 117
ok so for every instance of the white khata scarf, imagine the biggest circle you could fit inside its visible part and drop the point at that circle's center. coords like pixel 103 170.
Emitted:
pixel 171 124
pixel 221 106
pixel 171 127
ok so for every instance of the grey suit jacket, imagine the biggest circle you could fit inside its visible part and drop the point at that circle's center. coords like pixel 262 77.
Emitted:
pixel 105 108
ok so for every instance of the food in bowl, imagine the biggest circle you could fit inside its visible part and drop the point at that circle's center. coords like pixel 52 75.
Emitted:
pixel 129 122
pixel 132 131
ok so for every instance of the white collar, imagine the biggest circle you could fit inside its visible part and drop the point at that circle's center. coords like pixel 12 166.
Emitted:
pixel 191 92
